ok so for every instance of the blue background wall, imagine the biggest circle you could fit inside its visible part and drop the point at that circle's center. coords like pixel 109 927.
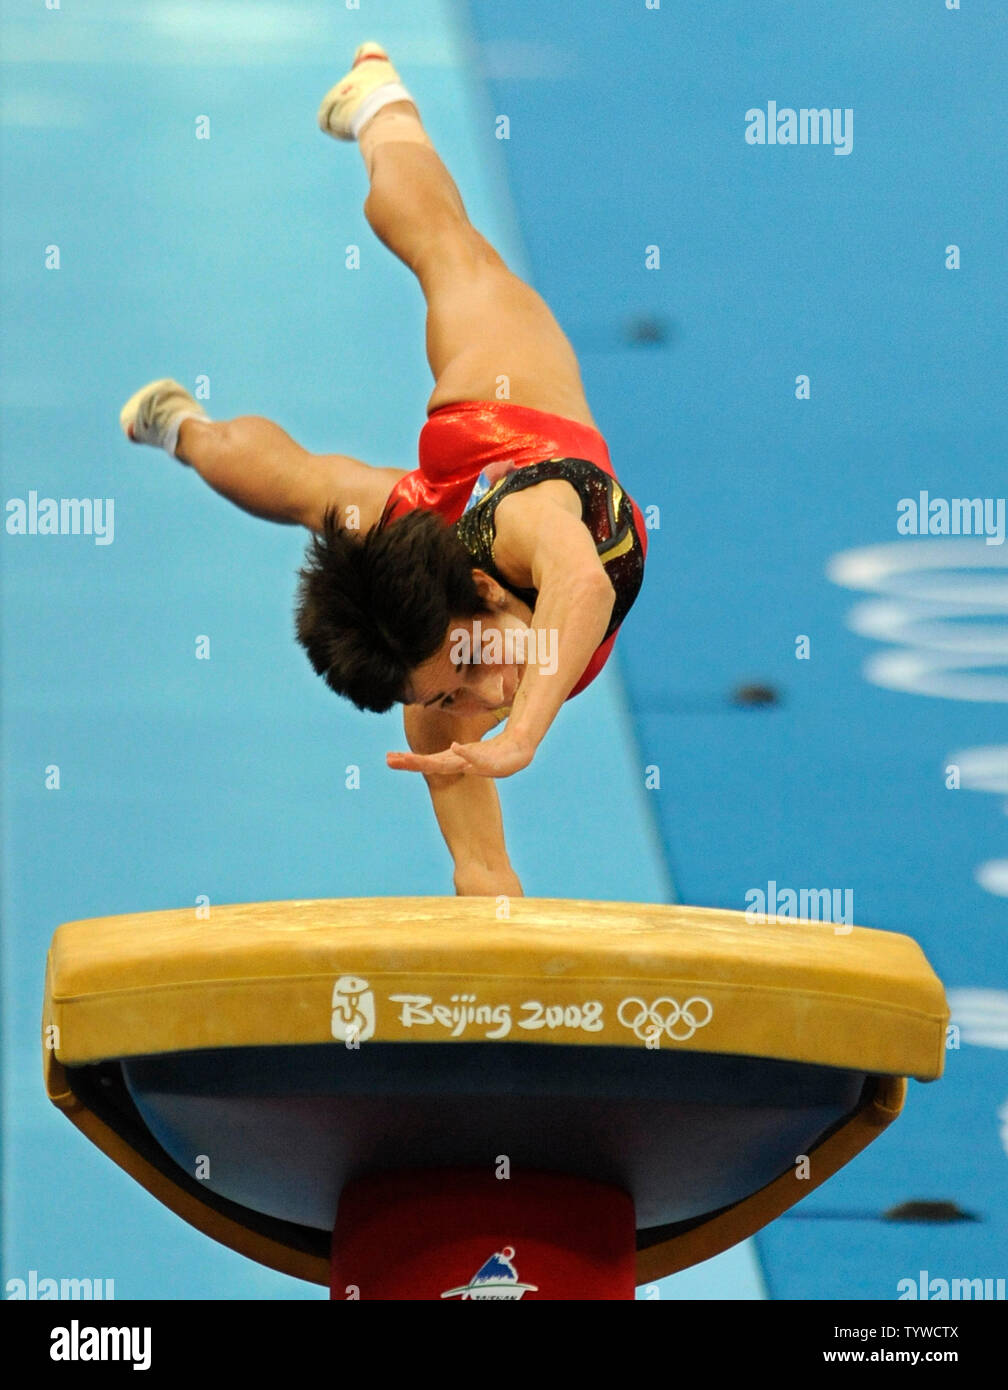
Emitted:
pixel 226 257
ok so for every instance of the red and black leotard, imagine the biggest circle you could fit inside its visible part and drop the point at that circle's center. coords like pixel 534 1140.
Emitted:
pixel 515 448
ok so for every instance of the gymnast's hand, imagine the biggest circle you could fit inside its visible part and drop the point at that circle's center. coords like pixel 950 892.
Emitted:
pixel 495 757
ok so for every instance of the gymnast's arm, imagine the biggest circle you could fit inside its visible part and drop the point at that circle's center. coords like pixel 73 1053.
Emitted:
pixel 467 808
pixel 540 534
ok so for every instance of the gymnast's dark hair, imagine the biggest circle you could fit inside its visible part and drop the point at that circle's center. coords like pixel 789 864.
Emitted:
pixel 371 607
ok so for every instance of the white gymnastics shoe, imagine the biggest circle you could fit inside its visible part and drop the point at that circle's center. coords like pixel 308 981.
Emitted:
pixel 371 83
pixel 153 415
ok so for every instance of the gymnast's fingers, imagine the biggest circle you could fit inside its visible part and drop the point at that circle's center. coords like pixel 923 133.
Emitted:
pixel 445 762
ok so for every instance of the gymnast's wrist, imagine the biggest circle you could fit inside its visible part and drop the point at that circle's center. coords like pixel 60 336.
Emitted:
pixel 476 880
pixel 523 732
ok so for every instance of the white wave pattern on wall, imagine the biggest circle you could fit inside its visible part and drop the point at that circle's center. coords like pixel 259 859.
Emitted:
pixel 981 1015
pixel 929 593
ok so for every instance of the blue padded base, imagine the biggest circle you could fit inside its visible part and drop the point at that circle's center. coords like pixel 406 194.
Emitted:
pixel 687 1134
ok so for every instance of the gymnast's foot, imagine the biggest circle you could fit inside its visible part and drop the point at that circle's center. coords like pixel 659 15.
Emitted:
pixel 154 414
pixel 370 84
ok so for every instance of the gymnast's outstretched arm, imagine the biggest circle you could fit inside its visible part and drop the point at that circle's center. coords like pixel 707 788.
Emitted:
pixel 575 602
pixel 467 808
pixel 542 544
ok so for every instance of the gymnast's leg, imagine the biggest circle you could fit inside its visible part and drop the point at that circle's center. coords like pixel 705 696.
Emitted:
pixel 484 324
pixel 259 467
pixel 256 464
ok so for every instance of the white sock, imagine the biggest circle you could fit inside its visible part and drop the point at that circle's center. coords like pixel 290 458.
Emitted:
pixel 374 101
pixel 170 441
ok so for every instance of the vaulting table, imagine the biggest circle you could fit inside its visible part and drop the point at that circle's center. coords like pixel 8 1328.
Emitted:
pixel 429 1098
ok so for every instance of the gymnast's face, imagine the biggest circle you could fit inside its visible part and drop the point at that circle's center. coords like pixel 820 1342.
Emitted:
pixel 479 664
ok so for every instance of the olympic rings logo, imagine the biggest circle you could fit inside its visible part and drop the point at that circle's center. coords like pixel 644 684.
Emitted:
pixel 676 1021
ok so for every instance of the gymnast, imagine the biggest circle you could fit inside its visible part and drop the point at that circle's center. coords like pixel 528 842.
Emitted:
pixel 489 583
